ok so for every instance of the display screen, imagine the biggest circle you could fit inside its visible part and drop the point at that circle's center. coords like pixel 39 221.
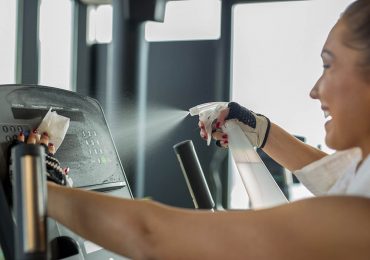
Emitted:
pixel 40 111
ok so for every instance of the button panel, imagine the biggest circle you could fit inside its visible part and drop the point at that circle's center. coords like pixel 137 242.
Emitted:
pixel 9 132
pixel 92 145
pixel 97 156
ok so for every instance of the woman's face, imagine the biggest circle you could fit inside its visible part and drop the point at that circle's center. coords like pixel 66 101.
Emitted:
pixel 344 94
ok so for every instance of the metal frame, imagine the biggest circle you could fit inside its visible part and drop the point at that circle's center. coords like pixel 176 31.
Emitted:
pixel 80 50
pixel 27 62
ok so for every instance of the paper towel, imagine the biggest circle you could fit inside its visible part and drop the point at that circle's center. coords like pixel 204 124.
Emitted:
pixel 56 126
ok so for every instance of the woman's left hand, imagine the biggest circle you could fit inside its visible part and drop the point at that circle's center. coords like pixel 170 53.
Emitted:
pixel 55 172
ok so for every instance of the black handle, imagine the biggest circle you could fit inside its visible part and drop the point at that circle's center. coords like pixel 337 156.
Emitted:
pixel 6 227
pixel 194 175
pixel 29 196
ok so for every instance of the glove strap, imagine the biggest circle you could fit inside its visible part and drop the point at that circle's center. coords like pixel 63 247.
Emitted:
pixel 267 131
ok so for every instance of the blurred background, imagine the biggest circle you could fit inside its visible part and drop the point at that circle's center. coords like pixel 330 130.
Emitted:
pixel 148 61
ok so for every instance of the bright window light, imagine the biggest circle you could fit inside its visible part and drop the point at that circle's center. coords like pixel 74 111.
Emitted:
pixel 100 24
pixel 276 61
pixel 7 42
pixel 55 33
pixel 187 20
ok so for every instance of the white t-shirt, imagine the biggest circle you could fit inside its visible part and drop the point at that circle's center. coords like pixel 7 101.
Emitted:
pixel 336 174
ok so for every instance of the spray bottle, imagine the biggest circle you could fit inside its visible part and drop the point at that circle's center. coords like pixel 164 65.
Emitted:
pixel 261 188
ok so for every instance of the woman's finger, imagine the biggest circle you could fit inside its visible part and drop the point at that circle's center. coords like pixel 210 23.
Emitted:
pixel 219 135
pixel 32 138
pixel 20 137
pixel 51 148
pixel 221 118
pixel 203 134
pixel 222 143
pixel 66 170
pixel 44 139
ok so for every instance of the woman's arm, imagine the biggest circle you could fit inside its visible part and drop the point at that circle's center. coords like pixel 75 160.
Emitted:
pixel 261 132
pixel 288 150
pixel 319 228
pixel 120 225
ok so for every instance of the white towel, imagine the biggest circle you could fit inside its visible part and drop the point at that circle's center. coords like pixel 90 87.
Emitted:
pixel 56 126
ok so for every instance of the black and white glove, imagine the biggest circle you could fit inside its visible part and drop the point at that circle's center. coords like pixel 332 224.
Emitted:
pixel 54 172
pixel 255 126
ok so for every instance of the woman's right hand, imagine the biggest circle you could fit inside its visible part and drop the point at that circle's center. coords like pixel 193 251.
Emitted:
pixel 217 133
pixel 255 126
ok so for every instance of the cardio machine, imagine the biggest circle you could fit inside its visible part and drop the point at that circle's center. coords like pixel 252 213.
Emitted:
pixel 88 150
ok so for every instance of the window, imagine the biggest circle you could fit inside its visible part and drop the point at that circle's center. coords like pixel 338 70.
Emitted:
pixel 276 61
pixel 100 23
pixel 187 20
pixel 55 32
pixel 7 43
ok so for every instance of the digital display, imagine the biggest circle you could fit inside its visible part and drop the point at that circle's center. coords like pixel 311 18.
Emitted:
pixel 40 111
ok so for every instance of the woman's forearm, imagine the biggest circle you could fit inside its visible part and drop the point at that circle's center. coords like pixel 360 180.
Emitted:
pixel 119 225
pixel 288 150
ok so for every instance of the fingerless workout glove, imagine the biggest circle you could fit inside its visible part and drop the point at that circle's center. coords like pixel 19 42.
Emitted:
pixel 255 126
pixel 54 171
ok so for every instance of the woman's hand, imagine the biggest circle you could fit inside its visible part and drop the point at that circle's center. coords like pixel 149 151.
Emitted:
pixel 217 133
pixel 35 138
pixel 55 172
pixel 255 126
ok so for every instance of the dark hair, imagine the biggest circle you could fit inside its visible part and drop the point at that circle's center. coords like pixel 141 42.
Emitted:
pixel 357 20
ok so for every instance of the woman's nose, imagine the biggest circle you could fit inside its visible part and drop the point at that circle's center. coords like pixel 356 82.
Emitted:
pixel 314 93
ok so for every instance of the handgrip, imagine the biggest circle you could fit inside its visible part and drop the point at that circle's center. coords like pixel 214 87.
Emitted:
pixel 194 175
pixel 29 195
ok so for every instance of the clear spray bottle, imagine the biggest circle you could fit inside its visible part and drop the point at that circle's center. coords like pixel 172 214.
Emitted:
pixel 261 187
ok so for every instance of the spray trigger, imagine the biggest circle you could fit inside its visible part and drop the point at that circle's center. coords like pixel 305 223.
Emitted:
pixel 208 114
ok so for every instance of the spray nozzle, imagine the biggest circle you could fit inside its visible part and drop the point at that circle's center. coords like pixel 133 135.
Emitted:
pixel 194 111
pixel 208 113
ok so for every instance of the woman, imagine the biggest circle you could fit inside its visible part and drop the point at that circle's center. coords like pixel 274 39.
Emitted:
pixel 330 227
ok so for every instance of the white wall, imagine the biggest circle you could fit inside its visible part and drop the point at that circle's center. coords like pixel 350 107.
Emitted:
pixel 187 20
pixel 7 41
pixel 55 33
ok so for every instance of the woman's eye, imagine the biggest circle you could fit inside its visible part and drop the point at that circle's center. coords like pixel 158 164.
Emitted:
pixel 326 66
